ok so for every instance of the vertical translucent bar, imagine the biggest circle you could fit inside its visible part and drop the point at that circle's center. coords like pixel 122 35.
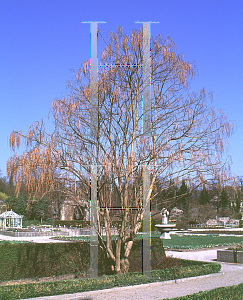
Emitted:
pixel 93 223
pixel 94 134
pixel 147 128
pixel 146 80
pixel 146 223
pixel 94 80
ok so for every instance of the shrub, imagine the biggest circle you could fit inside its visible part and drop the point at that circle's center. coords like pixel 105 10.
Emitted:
pixel 27 260
pixel 35 259
pixel 236 216
pixel 238 248
pixel 241 224
pixel 182 225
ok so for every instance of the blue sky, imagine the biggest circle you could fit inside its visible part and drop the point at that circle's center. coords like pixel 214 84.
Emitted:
pixel 41 41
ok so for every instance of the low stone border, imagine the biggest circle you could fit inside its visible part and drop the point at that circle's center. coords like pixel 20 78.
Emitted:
pixel 32 234
pixel 231 256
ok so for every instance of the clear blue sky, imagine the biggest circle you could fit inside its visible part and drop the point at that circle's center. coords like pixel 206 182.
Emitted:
pixel 41 41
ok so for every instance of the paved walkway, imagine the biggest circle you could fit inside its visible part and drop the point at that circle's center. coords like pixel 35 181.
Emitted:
pixel 230 274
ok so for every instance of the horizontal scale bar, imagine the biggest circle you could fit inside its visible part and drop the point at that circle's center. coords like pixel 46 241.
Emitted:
pixel 121 208
pixel 120 65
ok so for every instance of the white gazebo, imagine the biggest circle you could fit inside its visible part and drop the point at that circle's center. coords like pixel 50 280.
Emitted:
pixel 9 219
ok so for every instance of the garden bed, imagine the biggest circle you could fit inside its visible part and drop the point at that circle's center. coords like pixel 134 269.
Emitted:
pixel 238 248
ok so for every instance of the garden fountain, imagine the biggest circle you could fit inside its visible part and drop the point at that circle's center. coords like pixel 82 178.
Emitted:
pixel 165 228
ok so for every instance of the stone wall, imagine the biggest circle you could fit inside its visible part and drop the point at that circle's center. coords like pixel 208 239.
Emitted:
pixel 230 256
pixel 240 257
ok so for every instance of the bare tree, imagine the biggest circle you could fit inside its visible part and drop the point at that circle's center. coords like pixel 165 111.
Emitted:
pixel 187 138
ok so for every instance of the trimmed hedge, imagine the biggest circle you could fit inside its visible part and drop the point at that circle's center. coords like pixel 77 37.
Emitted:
pixel 32 260
pixel 40 260
pixel 81 285
pixel 29 260
pixel 83 224
pixel 234 292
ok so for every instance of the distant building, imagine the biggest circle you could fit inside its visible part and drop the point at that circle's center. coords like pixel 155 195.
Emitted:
pixel 9 219
pixel 213 222
pixel 226 221
pixel 72 210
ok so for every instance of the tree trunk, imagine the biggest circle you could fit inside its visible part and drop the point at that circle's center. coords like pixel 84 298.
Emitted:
pixel 125 264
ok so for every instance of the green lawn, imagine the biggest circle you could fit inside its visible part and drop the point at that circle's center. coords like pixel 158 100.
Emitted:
pixel 199 241
pixel 154 234
pixel 185 241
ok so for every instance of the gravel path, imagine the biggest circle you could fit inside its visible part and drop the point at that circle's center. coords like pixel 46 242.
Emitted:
pixel 230 274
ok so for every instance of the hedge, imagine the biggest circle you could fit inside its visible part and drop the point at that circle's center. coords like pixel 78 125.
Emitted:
pixel 28 260
pixel 81 285
pixel 40 260
pixel 83 224
pixel 234 292
pixel 32 260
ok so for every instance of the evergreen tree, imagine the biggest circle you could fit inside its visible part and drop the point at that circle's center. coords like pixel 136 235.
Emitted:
pixel 183 202
pixel 5 186
pixel 39 210
pixel 169 194
pixel 18 204
pixel 224 201
pixel 204 197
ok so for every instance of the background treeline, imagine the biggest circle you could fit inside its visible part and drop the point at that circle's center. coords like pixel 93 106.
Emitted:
pixel 32 209
pixel 197 204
